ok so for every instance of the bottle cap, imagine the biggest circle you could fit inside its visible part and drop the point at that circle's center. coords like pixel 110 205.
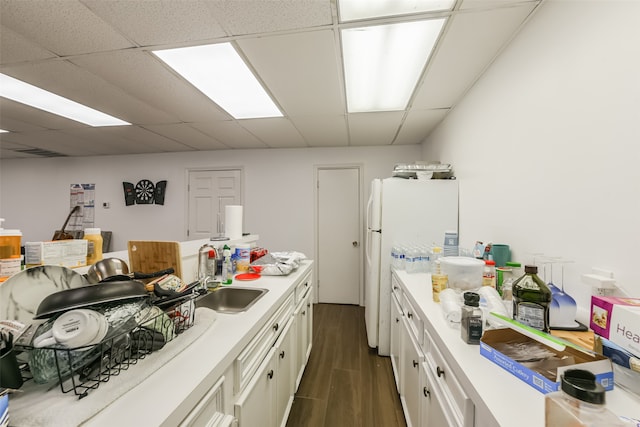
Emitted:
pixel 471 299
pixel 212 253
pixel 513 264
pixel 91 231
pixel 490 262
pixel 533 269
pixel 582 385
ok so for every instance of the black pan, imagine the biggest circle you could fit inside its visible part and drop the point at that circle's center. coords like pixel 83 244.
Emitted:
pixel 84 296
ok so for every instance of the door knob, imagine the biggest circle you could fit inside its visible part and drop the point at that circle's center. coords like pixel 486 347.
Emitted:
pixel 355 244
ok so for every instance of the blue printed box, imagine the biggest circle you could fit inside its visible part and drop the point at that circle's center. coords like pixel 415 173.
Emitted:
pixel 569 357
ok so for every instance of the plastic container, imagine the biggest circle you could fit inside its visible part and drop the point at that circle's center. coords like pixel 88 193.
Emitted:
pixel 580 402
pixel 531 300
pixel 10 256
pixel 94 245
pixel 489 274
pixel 243 257
pixel 464 273
pixel 471 319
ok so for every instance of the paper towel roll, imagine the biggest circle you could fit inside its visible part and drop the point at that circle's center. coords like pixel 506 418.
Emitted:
pixel 233 221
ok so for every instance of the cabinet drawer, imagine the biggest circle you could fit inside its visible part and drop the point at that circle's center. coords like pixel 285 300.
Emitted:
pixel 415 322
pixel 248 361
pixel 302 288
pixel 395 287
pixel 462 405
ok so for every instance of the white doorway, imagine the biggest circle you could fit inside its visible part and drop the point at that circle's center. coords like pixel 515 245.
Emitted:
pixel 339 234
pixel 209 191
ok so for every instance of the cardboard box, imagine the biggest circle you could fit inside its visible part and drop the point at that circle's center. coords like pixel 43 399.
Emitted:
pixel 598 364
pixel 618 320
pixel 66 253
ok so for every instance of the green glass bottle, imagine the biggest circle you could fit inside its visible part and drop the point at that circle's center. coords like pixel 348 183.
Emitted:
pixel 531 300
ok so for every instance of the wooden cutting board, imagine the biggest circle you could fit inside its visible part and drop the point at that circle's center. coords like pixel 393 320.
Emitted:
pixel 148 256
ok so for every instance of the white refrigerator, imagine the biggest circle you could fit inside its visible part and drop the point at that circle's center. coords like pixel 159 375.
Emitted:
pixel 400 211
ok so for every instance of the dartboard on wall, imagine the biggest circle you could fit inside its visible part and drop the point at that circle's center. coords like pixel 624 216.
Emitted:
pixel 144 192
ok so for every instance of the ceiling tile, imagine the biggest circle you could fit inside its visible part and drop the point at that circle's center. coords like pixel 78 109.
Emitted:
pixel 64 27
pixel 59 142
pixel 144 77
pixel 374 128
pixel 151 23
pixel 231 133
pixel 471 42
pixel 15 48
pixel 187 135
pixel 68 80
pixel 276 133
pixel 491 4
pixel 418 125
pixel 259 16
pixel 301 71
pixel 322 130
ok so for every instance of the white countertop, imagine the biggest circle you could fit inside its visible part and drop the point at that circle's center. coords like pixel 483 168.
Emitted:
pixel 496 393
pixel 165 398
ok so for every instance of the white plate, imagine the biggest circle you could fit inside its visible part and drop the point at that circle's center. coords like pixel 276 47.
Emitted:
pixel 21 294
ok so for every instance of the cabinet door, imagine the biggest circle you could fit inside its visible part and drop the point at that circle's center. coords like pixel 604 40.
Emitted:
pixel 209 409
pixel 256 404
pixel 307 313
pixel 396 339
pixel 432 409
pixel 304 334
pixel 411 360
pixel 285 358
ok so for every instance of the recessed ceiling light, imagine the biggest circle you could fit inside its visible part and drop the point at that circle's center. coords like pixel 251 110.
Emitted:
pixel 352 10
pixel 382 64
pixel 33 96
pixel 218 71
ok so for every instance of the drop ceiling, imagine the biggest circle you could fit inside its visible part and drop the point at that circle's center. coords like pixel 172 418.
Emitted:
pixel 98 53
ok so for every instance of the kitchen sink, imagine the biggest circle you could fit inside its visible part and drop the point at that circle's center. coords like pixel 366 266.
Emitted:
pixel 231 300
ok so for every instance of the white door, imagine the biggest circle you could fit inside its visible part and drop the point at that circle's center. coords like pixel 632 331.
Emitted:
pixel 339 233
pixel 209 192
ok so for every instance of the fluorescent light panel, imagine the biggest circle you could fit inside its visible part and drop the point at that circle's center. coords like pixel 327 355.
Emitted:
pixel 383 63
pixel 352 10
pixel 220 73
pixel 3 131
pixel 33 96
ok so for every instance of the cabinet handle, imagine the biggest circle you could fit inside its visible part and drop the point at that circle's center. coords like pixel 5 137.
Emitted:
pixel 409 315
pixel 415 364
pixel 282 354
pixel 308 304
pixel 276 326
pixel 397 320
pixel 304 312
pixel 440 372
pixel 270 374
pixel 426 392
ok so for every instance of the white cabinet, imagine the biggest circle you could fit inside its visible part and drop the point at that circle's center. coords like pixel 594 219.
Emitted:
pixel 256 405
pixel 433 403
pixel 396 337
pixel 303 315
pixel 410 362
pixel 210 410
pixel 285 385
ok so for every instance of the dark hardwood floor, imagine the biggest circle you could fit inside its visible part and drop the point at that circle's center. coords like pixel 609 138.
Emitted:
pixel 345 382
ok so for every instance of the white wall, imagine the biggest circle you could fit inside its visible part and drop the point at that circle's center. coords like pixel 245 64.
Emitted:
pixel 547 145
pixel 278 191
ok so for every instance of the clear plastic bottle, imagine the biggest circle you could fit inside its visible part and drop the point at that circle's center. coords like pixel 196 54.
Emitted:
pixel 580 402
pixel 94 245
pixel 227 267
pixel 395 257
pixel 531 300
pixel 412 260
pixel 489 274
pixel 471 320
pixel 439 281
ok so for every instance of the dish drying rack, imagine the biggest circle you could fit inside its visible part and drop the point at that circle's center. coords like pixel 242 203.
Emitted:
pixel 109 358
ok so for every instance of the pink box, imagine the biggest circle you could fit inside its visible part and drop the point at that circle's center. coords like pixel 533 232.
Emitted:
pixel 618 320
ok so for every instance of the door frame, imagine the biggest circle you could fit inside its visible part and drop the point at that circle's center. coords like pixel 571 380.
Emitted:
pixel 187 171
pixel 360 168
